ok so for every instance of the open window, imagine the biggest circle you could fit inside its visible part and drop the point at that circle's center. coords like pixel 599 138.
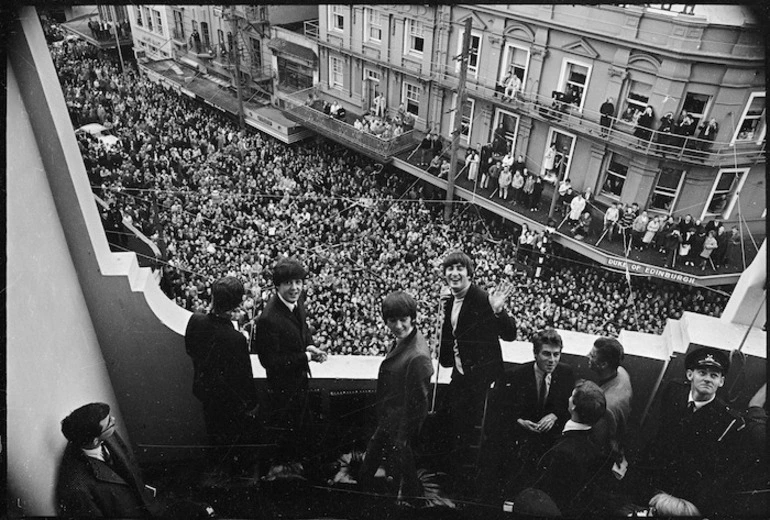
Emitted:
pixel 725 192
pixel 752 124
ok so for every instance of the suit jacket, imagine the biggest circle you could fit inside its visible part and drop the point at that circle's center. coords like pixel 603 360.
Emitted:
pixel 515 397
pixel 281 339
pixel 88 487
pixel 403 387
pixel 567 471
pixel 478 336
pixel 221 364
pixel 690 455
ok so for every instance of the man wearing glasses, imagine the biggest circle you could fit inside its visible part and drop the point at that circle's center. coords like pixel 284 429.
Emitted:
pixel 98 475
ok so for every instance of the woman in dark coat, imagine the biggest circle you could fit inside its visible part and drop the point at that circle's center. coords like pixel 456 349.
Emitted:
pixel 644 125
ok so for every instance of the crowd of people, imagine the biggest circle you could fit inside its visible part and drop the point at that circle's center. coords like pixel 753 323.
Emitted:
pixel 222 201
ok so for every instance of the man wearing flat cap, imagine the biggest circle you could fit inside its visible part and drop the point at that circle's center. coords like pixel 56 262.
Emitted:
pixel 285 348
pixel 685 465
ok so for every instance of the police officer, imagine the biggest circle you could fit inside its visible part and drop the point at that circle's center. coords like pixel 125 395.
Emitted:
pixel 687 462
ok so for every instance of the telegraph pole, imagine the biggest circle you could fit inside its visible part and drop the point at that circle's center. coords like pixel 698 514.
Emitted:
pixel 236 62
pixel 117 39
pixel 450 189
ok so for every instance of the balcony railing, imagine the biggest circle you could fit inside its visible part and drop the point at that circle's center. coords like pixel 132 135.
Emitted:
pixel 664 145
pixel 311 29
pixel 383 149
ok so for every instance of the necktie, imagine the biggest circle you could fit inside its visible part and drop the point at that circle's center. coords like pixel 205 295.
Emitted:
pixel 541 393
pixel 691 406
pixel 106 455
pixel 296 313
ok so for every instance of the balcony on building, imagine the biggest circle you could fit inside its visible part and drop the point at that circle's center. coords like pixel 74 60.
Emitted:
pixel 102 39
pixel 557 110
pixel 307 107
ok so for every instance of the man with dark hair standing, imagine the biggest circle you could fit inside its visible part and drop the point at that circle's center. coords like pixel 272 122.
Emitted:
pixel 686 464
pixel 526 412
pixel 474 322
pixel 285 348
pixel 403 398
pixel 566 471
pixel 604 360
pixel 98 476
pixel 222 379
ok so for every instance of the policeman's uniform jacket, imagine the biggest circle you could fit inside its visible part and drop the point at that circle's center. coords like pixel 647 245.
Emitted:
pixel 690 456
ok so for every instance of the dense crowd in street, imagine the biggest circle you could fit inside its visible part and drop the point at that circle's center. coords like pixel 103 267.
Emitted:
pixel 222 201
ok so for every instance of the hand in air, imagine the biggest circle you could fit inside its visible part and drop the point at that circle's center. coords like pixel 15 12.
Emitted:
pixel 316 354
pixel 499 295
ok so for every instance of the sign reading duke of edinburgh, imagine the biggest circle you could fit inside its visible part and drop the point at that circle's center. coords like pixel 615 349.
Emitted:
pixel 648 270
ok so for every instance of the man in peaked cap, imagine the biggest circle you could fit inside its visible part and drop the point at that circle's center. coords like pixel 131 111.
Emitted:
pixel 686 464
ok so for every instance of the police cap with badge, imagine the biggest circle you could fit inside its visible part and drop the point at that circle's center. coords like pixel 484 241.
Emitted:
pixel 708 357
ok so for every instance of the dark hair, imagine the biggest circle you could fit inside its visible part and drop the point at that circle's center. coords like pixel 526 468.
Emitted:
pixel 589 401
pixel 458 257
pixel 287 269
pixel 226 293
pixel 82 426
pixel 609 350
pixel 398 304
pixel 547 336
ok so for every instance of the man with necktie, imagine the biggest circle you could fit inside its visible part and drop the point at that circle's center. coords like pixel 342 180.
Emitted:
pixel 98 476
pixel 526 412
pixel 685 465
pixel 285 349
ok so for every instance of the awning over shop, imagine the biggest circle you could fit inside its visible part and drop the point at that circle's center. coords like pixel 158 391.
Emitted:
pixel 293 50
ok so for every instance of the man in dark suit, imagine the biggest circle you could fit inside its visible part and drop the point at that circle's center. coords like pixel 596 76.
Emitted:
pixel 526 412
pixel 285 348
pixel 98 476
pixel 223 380
pixel 686 463
pixel 474 322
pixel 567 471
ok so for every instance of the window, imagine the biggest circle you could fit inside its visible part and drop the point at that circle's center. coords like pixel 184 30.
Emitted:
pixel 696 105
pixel 256 53
pixel 574 80
pixel 372 75
pixel 178 25
pixel 636 101
pixel 148 18
pixel 158 22
pixel 373 26
pixel 336 18
pixel 139 16
pixel 467 121
pixel 751 126
pixel 507 125
pixel 725 193
pixel 205 34
pixel 617 170
pixel 335 72
pixel 411 98
pixel 515 59
pixel 221 39
pixel 473 52
pixel 667 189
pixel 415 37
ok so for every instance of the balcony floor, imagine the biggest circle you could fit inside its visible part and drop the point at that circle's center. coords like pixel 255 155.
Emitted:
pixel 649 256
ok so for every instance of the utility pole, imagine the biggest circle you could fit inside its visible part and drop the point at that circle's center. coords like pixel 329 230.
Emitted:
pixel 450 188
pixel 236 63
pixel 117 38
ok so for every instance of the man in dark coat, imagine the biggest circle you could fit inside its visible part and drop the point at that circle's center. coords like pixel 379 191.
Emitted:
pixel 474 322
pixel 222 378
pixel 98 476
pixel 403 397
pixel 567 471
pixel 526 413
pixel 686 463
pixel 285 348
pixel 607 111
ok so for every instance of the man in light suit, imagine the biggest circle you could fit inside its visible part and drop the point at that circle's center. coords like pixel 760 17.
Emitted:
pixel 474 322
pixel 285 348
pixel 526 413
